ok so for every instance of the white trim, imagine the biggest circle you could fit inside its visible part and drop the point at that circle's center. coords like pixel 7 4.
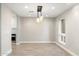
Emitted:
pixel 7 53
pixel 67 50
pixel 34 42
pixel 62 42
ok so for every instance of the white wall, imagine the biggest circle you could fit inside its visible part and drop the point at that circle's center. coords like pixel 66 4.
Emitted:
pixel 30 30
pixel 6 27
pixel 18 32
pixel 0 29
pixel 14 24
pixel 72 29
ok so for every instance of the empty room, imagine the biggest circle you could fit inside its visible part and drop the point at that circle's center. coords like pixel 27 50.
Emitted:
pixel 39 29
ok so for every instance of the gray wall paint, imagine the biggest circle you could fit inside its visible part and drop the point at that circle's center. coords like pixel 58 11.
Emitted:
pixel 30 30
pixel 72 29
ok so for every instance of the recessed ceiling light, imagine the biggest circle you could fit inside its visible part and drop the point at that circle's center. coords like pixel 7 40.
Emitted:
pixel 26 6
pixel 67 3
pixel 46 15
pixel 53 8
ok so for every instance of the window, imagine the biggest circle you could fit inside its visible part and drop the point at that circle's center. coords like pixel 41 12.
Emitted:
pixel 63 26
pixel 62 31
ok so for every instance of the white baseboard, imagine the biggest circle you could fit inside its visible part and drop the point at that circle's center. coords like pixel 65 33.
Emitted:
pixel 7 53
pixel 67 50
pixel 34 42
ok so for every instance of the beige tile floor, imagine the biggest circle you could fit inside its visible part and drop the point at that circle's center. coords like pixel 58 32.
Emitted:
pixel 38 49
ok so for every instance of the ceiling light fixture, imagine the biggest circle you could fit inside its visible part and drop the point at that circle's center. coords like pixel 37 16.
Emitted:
pixel 46 15
pixel 39 14
pixel 41 18
pixel 38 20
pixel 26 6
pixel 53 8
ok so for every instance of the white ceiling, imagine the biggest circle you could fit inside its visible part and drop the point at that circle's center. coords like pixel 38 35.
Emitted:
pixel 47 11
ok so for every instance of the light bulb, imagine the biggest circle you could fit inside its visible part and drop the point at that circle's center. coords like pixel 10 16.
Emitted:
pixel 26 6
pixel 38 20
pixel 41 18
